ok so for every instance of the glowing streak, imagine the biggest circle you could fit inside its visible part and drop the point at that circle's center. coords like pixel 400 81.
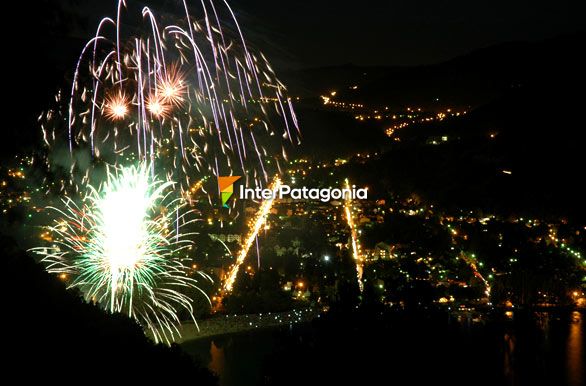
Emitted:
pixel 354 236
pixel 257 224
pixel 216 94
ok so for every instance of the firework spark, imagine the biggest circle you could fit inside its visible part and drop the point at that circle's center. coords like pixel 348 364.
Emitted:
pixel 121 248
pixel 186 92
pixel 172 87
pixel 116 107
pixel 191 84
pixel 157 107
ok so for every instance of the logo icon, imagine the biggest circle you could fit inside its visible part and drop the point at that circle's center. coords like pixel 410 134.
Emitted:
pixel 226 185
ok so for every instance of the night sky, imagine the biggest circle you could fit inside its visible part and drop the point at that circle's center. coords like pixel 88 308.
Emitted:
pixel 44 38
pixel 406 32
pixel 397 32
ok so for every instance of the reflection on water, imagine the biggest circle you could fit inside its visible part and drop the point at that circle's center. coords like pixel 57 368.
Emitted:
pixel 541 348
pixel 218 360
pixel 509 353
pixel 575 352
pixel 547 348
pixel 237 359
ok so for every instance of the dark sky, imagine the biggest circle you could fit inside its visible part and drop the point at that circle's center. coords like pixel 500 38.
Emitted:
pixel 403 32
pixel 308 33
pixel 298 33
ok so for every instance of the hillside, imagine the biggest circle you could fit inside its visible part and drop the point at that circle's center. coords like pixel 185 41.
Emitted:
pixel 469 80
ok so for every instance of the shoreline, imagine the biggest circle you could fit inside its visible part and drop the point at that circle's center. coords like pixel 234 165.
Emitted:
pixel 231 324
pixel 222 325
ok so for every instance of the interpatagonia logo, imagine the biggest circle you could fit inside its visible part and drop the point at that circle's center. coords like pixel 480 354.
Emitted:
pixel 304 193
pixel 226 185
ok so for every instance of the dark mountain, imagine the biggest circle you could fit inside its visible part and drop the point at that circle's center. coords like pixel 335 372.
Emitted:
pixel 52 333
pixel 521 153
pixel 470 80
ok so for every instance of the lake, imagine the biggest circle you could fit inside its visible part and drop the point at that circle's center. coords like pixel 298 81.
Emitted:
pixel 513 349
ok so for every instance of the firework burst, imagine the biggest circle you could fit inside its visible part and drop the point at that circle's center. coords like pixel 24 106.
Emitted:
pixel 172 87
pixel 116 107
pixel 187 90
pixel 121 247
pixel 184 90
pixel 157 107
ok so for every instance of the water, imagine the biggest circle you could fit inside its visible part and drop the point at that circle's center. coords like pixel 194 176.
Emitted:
pixel 237 359
pixel 532 349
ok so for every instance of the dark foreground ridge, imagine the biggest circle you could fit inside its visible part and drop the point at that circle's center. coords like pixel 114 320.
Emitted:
pixel 62 337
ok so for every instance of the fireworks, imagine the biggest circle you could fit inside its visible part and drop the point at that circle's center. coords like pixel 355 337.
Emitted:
pixel 157 107
pixel 121 248
pixel 172 87
pixel 189 91
pixel 116 107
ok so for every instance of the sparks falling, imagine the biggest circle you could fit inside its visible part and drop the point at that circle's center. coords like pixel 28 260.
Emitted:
pixel 189 91
pixel 186 92
pixel 121 247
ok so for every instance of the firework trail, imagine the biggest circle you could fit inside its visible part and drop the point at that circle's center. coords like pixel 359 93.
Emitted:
pixel 121 247
pixel 190 93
